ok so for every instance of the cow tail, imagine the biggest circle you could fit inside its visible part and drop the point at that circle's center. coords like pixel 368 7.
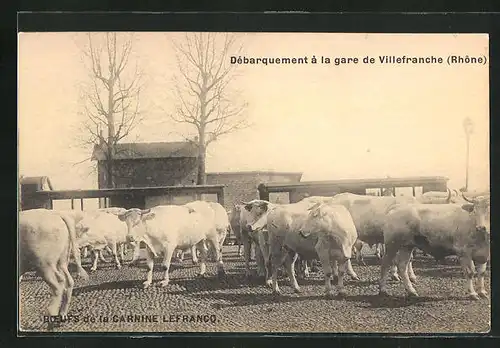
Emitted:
pixel 74 247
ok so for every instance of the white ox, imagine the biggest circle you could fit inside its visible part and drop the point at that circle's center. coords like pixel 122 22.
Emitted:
pixel 463 230
pixel 46 240
pixel 257 212
pixel 322 230
pixel 369 215
pixel 249 212
pixel 165 228
pixel 102 229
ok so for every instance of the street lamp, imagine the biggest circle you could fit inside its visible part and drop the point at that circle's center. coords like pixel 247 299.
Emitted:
pixel 468 128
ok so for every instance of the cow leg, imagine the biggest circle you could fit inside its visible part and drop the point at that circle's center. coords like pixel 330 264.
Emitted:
pixel 122 251
pixel 290 259
pixel 177 255
pixel 403 259
pixel 108 249
pixel 481 270
pixel 240 252
pixel 394 273
pixel 469 270
pixel 202 247
pixel 252 251
pixel 96 257
pixel 387 263
pixel 324 257
pixel 194 257
pixel 378 253
pixel 114 252
pixel 359 256
pixel 218 257
pixel 350 270
pixel 247 245
pixel 168 251
pixel 262 256
pixel 50 275
pixel 342 266
pixel 261 263
pixel 85 252
pixel 277 258
pixel 101 256
pixel 306 269
pixel 137 249
pixel 314 266
pixel 150 265
pixel 380 250
pixel 413 277
pixel 68 289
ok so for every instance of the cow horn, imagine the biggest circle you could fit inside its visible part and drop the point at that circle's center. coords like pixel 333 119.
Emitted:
pixel 448 200
pixel 245 203
pixel 314 206
pixel 468 200
pixel 145 211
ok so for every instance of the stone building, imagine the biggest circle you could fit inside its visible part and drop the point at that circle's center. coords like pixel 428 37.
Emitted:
pixel 175 164
pixel 149 164
pixel 242 186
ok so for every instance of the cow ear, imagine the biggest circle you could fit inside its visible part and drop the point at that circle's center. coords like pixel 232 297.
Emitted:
pixel 191 210
pixel 148 216
pixel 468 207
pixel 122 216
pixel 84 229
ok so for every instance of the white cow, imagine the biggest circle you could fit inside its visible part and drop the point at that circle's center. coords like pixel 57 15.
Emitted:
pixel 101 234
pixel 103 229
pixel 369 215
pixel 257 212
pixel 165 228
pixel 46 240
pixel 463 230
pixel 322 230
pixel 220 220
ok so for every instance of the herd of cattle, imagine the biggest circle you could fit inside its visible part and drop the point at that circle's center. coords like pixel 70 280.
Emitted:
pixel 331 230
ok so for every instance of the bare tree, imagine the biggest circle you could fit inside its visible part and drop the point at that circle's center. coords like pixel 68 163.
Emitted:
pixel 204 99
pixel 110 101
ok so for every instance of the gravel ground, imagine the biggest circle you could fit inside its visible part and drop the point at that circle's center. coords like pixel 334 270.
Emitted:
pixel 236 305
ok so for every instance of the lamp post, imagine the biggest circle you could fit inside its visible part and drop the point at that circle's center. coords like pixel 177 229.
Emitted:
pixel 468 128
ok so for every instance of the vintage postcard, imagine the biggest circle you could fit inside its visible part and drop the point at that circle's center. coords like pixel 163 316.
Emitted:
pixel 253 182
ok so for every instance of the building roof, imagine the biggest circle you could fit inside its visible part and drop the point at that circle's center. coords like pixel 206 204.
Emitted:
pixel 135 191
pixel 41 181
pixel 357 183
pixel 257 172
pixel 149 150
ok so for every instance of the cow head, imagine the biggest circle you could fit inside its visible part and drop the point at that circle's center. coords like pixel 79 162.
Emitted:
pixel 256 214
pixel 479 208
pixel 135 220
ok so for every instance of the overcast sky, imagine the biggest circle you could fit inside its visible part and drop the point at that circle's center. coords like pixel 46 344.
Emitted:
pixel 329 122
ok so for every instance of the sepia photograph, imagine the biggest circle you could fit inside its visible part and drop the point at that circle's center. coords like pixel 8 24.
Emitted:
pixel 253 182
